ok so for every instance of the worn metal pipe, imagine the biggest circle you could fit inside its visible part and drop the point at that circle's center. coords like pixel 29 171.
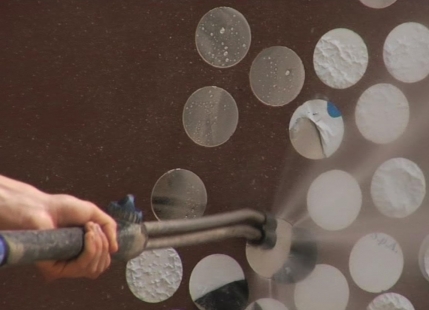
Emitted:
pixel 194 238
pixel 244 216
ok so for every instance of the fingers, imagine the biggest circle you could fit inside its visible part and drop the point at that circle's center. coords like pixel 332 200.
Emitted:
pixel 93 261
pixel 69 210
pixel 105 258
pixel 96 258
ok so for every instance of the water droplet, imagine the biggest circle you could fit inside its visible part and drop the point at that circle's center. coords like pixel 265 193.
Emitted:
pixel 227 60
pixel 244 45
pixel 287 72
pixel 226 47
pixel 232 28
pixel 225 53
pixel 211 33
pixel 222 30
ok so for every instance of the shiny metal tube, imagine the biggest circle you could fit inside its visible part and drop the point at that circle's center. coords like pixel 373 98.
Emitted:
pixel 217 234
pixel 244 216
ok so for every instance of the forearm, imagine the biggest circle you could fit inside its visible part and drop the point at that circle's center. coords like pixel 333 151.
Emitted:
pixel 20 203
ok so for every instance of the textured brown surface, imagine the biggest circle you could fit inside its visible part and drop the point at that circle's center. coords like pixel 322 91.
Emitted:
pixel 91 97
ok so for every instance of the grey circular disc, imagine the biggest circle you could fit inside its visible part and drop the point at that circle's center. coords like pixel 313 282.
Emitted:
pixel 424 258
pixel 266 262
pixel 223 37
pixel 179 194
pixel 277 76
pixel 390 301
pixel 218 282
pixel 292 258
pixel 210 116
pixel 378 4
pixel 266 304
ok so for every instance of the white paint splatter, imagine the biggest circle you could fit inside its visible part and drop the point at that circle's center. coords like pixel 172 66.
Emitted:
pixel 382 113
pixel 376 262
pixel 390 301
pixel 406 52
pixel 398 187
pixel 340 58
pixel 334 200
pixel 154 276
pixel 325 288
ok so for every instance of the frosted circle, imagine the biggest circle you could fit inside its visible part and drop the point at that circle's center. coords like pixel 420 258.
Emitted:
pixel 398 187
pixel 266 304
pixel 376 262
pixel 406 52
pixel 340 58
pixel 382 113
pixel 325 288
pixel 390 301
pixel 334 200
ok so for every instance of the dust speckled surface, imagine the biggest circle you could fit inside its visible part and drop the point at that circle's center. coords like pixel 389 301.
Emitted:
pixel 92 96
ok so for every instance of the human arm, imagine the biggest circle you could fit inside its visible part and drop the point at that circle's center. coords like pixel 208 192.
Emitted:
pixel 23 206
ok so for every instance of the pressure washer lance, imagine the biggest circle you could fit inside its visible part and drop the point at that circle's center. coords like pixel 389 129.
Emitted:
pixel 135 236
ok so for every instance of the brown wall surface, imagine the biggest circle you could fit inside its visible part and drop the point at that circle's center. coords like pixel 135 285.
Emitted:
pixel 91 100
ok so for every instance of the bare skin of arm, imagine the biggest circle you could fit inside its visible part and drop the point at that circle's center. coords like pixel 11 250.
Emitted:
pixel 23 207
